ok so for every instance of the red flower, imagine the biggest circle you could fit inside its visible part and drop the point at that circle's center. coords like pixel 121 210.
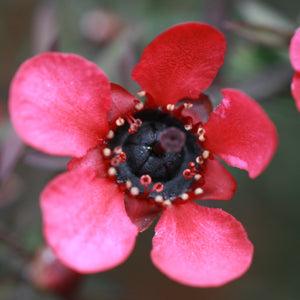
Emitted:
pixel 158 156
pixel 295 61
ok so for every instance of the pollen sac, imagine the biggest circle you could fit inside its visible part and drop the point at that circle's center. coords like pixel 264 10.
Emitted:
pixel 161 149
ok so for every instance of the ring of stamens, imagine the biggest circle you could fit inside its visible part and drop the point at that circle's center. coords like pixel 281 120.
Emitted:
pixel 156 190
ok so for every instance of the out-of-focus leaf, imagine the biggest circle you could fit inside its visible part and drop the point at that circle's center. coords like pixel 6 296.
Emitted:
pixel 246 59
pixel 259 13
pixel 262 24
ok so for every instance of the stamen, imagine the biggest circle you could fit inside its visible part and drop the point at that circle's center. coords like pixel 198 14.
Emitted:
pixel 177 111
pixel 138 122
pixel 188 105
pixel 200 130
pixel 133 129
pixel 187 174
pixel 198 191
pixel 145 180
pixel 201 133
pixel 118 150
pixel 170 107
pixel 115 161
pixel 128 184
pixel 200 160
pixel 185 196
pixel 205 154
pixel 158 187
pixel 191 172
pixel 197 177
pixel 120 122
pixel 116 156
pixel 188 123
pixel 159 199
pixel 112 171
pixel 119 158
pixel 170 135
pixel 134 124
pixel 139 106
pixel 110 134
pixel 192 165
pixel 188 127
pixel 122 156
pixel 167 203
pixel 141 93
pixel 134 191
pixel 106 152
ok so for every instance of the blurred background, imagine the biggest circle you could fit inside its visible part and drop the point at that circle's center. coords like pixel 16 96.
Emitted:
pixel 113 35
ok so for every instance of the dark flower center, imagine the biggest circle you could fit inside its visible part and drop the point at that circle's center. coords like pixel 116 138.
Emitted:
pixel 161 148
pixel 146 153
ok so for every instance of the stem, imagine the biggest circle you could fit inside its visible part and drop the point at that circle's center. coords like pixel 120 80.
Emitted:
pixel 285 34
pixel 11 241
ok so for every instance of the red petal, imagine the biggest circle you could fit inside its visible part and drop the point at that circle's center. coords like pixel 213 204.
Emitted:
pixel 181 62
pixel 141 212
pixel 200 111
pixel 59 102
pixel 219 183
pixel 92 160
pixel 85 222
pixel 123 103
pixel 295 50
pixel 296 89
pixel 200 246
pixel 241 133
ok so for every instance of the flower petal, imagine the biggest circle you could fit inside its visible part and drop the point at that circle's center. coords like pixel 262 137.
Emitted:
pixel 92 160
pixel 85 222
pixel 295 50
pixel 59 102
pixel 181 62
pixel 141 212
pixel 241 133
pixel 296 89
pixel 219 183
pixel 200 111
pixel 123 103
pixel 200 246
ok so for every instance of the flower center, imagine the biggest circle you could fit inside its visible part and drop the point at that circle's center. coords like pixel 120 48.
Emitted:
pixel 161 149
